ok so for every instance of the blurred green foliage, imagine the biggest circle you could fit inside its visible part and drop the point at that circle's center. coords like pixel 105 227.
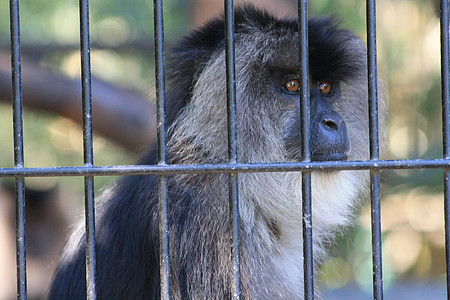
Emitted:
pixel 50 140
pixel 52 20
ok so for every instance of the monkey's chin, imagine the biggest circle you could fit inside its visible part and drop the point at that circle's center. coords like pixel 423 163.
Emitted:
pixel 329 156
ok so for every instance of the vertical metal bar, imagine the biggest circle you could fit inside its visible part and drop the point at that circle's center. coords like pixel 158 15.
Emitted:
pixel 376 236
pixel 308 268
pixel 374 150
pixel 232 145
pixel 18 149
pixel 446 126
pixel 162 151
pixel 91 259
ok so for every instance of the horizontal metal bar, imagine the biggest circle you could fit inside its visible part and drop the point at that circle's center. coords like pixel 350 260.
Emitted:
pixel 224 168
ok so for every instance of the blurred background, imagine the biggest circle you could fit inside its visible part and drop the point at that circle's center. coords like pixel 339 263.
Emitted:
pixel 122 65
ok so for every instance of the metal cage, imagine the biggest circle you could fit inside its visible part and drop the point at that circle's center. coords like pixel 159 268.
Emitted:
pixel 233 167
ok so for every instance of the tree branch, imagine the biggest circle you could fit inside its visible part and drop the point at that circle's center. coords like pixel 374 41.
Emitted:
pixel 121 115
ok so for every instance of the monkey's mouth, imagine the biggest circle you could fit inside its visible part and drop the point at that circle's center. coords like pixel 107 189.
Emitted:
pixel 329 156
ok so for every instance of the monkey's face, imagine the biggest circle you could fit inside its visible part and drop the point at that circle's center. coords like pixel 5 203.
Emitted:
pixel 328 131
pixel 269 95
pixel 268 106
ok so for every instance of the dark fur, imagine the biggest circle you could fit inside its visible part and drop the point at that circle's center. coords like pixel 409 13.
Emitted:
pixel 127 217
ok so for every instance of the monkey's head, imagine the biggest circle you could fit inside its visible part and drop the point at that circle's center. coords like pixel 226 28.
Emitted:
pixel 267 75
pixel 268 110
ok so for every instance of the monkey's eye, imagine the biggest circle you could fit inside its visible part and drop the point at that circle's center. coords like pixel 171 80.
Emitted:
pixel 324 87
pixel 292 86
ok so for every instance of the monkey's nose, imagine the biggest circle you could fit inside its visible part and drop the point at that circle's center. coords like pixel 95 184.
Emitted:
pixel 331 130
pixel 332 123
pixel 330 139
pixel 329 124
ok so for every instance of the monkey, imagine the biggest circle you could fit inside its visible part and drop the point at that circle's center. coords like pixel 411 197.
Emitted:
pixel 268 131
